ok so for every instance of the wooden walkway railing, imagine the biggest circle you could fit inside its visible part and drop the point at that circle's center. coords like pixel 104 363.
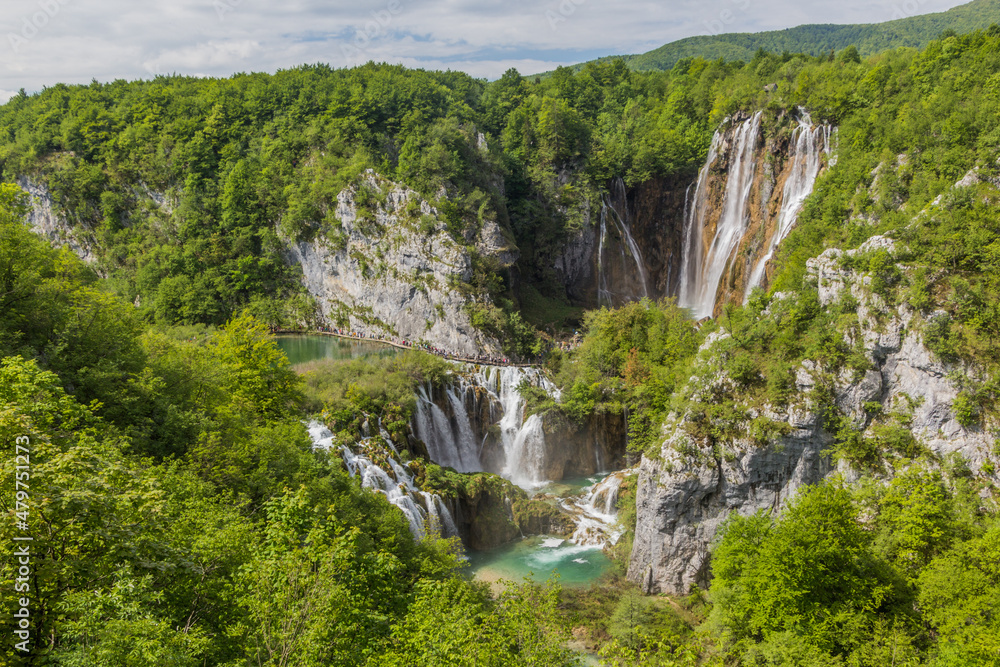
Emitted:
pixel 401 346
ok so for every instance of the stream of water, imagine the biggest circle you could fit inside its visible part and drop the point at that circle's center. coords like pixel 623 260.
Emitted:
pixel 442 421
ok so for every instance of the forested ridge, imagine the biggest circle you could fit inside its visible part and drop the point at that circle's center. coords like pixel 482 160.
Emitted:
pixel 180 515
pixel 817 39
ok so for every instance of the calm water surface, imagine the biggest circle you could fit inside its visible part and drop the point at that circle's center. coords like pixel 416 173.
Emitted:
pixel 301 348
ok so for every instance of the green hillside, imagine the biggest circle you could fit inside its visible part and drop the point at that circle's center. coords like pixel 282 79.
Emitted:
pixel 869 38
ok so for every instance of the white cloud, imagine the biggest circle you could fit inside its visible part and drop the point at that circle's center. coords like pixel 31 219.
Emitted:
pixel 44 42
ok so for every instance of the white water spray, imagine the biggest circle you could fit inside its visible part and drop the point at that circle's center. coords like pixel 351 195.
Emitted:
pixel 423 511
pixel 808 143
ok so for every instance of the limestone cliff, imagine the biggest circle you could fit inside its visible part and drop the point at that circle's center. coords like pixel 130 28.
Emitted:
pixel 392 268
pixel 47 222
pixel 686 493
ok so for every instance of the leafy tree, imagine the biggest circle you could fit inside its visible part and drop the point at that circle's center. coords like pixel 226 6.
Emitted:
pixel 259 376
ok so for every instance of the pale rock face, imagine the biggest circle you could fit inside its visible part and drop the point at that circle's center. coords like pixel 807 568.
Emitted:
pixel 45 222
pixel 388 276
pixel 575 261
pixel 684 498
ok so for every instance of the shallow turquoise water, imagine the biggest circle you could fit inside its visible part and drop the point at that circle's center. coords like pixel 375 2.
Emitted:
pixel 537 558
pixel 570 486
pixel 300 348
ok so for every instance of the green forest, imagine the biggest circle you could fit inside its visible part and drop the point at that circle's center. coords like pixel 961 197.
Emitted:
pixel 867 38
pixel 180 514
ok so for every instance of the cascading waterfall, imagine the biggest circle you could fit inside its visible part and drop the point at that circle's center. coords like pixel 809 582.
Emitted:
pixel 522 440
pixel 808 143
pixel 450 441
pixel 621 222
pixel 424 511
pixel 702 270
pixel 525 453
pixel 595 512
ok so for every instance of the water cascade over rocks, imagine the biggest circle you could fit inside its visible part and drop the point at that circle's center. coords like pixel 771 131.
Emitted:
pixel 807 144
pixel 614 207
pixel 595 512
pixel 478 423
pixel 449 439
pixel 444 421
pixel 706 255
pixel 424 511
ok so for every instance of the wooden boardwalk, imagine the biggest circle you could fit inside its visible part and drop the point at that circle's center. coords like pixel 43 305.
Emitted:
pixel 401 346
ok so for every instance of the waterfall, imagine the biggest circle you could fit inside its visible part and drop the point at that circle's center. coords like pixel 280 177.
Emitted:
pixel 603 295
pixel 595 513
pixel 423 511
pixel 449 441
pixel 452 441
pixel 525 454
pixel 807 144
pixel 702 269
pixel 522 440
pixel 694 222
pixel 621 223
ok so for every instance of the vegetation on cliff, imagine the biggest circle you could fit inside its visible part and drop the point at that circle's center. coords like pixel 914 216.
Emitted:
pixel 179 515
pixel 185 511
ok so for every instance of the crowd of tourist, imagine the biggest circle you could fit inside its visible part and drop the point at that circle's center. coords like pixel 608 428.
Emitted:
pixel 489 359
pixel 493 360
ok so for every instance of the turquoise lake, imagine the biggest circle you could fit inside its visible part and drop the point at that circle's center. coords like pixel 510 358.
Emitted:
pixel 302 348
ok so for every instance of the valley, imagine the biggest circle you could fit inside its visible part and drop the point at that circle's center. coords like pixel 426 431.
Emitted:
pixel 389 366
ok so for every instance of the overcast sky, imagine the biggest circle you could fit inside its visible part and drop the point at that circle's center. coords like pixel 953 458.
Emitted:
pixel 75 41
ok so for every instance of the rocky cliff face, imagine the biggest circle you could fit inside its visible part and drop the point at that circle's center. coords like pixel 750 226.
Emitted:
pixel 393 269
pixel 45 221
pixel 686 493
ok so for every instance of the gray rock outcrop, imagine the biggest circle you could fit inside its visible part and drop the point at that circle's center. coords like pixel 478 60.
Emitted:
pixel 46 222
pixel 686 494
pixel 393 269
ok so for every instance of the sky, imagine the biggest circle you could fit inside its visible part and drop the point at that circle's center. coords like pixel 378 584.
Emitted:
pixel 46 42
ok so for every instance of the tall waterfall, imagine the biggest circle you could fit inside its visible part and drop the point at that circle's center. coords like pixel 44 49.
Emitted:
pixel 423 511
pixel 450 437
pixel 603 293
pixel 807 144
pixel 702 269
pixel 621 221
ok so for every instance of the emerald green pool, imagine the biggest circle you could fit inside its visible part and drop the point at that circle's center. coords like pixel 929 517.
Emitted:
pixel 537 558
pixel 301 348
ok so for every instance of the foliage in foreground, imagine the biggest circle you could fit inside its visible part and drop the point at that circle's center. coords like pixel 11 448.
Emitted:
pixel 870 575
pixel 187 521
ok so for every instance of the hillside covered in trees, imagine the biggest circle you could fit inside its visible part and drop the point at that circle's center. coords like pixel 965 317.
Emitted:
pixel 818 39
pixel 184 519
